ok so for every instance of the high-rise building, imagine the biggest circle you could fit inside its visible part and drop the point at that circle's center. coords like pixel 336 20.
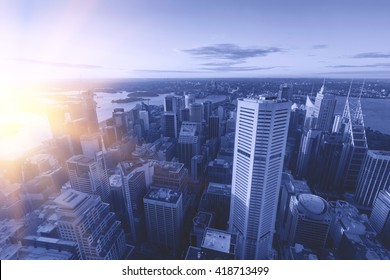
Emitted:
pixel 308 221
pixel 310 120
pixel 173 104
pixel 207 110
pixel 307 152
pixel 196 112
pixel 213 127
pixel 355 141
pixel 323 175
pixel 86 220
pixel 285 91
pixel 144 117
pixel 134 189
pixel 91 144
pixel 261 133
pixel 171 175
pixel 189 99
pixel 374 176
pixel 289 187
pixel 169 124
pixel 89 175
pixel 324 106
pixel 380 216
pixel 189 143
pixel 219 171
pixel 164 219
pixel 89 111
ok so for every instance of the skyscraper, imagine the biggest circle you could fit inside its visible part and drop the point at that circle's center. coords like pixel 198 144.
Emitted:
pixel 196 112
pixel 89 111
pixel 374 176
pixel 307 152
pixel 169 124
pixel 380 216
pixel 89 175
pixel 261 133
pixel 213 127
pixel 308 221
pixel 86 220
pixel 164 219
pixel 134 189
pixel 189 143
pixel 324 106
pixel 355 141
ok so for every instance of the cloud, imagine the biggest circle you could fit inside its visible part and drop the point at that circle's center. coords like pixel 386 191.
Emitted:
pixel 230 52
pixel 166 71
pixel 237 68
pixel 361 66
pixel 320 46
pixel 372 55
pixel 57 64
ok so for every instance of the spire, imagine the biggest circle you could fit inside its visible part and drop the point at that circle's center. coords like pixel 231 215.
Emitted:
pixel 349 91
pixel 322 87
pixel 361 91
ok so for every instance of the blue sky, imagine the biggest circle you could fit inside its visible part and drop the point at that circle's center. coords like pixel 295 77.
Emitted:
pixel 156 38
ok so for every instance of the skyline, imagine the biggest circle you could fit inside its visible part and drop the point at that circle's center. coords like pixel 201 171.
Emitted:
pixel 47 40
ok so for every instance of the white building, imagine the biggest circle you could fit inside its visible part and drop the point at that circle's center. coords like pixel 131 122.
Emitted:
pixel 88 221
pixel 260 141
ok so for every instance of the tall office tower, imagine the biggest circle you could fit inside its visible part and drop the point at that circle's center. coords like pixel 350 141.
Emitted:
pixel 213 127
pixel 355 141
pixel 216 199
pixel 196 112
pixel 144 117
pixel 170 175
pixel 380 216
pixel 189 99
pixel 134 189
pixel 308 221
pixel 327 164
pixel 120 120
pixel 374 176
pixel 91 144
pixel 289 188
pixel 173 104
pixel 89 111
pixel 169 124
pixel 336 123
pixel 324 106
pixel 261 133
pixel 184 115
pixel 307 152
pixel 285 91
pixel 310 120
pixel 219 171
pixel 89 175
pixel 207 110
pixel 189 143
pixel 197 168
pixel 164 219
pixel 88 221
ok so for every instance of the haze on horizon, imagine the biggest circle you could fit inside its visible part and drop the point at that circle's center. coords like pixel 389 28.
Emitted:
pixel 70 39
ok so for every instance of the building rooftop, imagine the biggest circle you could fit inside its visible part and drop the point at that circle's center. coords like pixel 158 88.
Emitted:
pixel 128 166
pixel 312 203
pixel 81 159
pixel 221 189
pixel 217 241
pixel 379 154
pixel 163 195
pixel 188 129
pixel 168 166
pixel 202 219
pixel 70 199
pixel 219 163
pixel 115 181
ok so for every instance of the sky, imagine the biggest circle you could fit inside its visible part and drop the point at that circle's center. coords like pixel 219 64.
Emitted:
pixel 72 39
